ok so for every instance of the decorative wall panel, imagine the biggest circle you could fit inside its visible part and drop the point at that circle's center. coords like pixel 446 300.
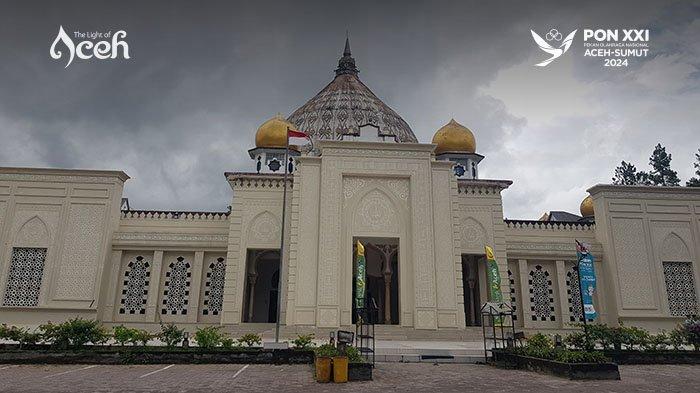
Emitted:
pixel 137 276
pixel 214 287
pixel 24 277
pixel 176 291
pixel 513 296
pixel 573 295
pixel 82 253
pixel 680 287
pixel 541 294
pixel 634 276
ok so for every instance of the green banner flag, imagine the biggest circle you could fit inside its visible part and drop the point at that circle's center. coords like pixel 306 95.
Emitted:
pixel 494 277
pixel 360 279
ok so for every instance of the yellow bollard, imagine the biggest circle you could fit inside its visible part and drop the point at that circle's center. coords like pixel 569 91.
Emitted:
pixel 340 369
pixel 323 369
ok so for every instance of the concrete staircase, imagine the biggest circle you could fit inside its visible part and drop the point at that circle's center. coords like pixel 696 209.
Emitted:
pixel 393 343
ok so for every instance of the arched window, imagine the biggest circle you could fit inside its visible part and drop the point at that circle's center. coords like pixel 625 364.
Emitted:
pixel 513 299
pixel 573 295
pixel 177 288
pixel 135 286
pixel 214 287
pixel 541 295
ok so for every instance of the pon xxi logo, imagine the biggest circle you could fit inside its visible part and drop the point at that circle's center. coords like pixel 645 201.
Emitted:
pixel 555 44
pixel 88 48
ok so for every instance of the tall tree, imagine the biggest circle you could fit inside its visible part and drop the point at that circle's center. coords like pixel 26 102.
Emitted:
pixel 661 173
pixel 625 174
pixel 695 181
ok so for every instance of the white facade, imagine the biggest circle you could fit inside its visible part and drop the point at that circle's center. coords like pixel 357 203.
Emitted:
pixel 141 267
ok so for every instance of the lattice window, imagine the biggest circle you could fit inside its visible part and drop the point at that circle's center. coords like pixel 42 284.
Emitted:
pixel 573 295
pixel 680 287
pixel 513 299
pixel 214 288
pixel 137 276
pixel 177 288
pixel 24 277
pixel 541 295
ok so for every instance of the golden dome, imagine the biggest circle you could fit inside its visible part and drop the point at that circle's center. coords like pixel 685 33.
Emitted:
pixel 273 133
pixel 454 137
pixel 587 207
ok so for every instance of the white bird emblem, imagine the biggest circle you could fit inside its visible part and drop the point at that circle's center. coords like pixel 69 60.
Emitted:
pixel 555 52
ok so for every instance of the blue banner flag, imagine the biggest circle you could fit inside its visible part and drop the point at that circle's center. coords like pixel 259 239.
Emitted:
pixel 586 273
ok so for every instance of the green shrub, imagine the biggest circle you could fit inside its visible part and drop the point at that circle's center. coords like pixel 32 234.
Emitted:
pixel 577 340
pixel 170 334
pixel 326 350
pixel 140 336
pixel 354 355
pixel 568 356
pixel 75 332
pixel 691 331
pixel 657 342
pixel 304 341
pixel 250 339
pixel 540 341
pixel 21 335
pixel 122 334
pixel 209 337
pixel 677 338
pixel 562 354
pixel 228 342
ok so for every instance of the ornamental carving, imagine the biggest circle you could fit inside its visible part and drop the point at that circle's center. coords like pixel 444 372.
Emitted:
pixel 674 249
pixel 376 213
pixel 264 228
pixel 473 233
pixel 352 185
pixel 33 232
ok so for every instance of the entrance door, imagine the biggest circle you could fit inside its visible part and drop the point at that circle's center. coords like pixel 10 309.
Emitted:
pixel 382 278
pixel 472 270
pixel 262 285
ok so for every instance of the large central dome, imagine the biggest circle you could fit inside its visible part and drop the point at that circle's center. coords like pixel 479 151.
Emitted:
pixel 345 105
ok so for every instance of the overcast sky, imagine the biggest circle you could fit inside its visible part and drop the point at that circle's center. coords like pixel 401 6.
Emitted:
pixel 203 75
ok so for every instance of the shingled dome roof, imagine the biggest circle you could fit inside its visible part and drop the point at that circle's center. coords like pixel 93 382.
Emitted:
pixel 346 104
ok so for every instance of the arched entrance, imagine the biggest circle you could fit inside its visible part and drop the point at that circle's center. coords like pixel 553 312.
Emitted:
pixel 262 286
pixel 382 277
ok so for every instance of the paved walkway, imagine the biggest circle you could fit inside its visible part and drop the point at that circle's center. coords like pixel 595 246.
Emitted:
pixel 389 377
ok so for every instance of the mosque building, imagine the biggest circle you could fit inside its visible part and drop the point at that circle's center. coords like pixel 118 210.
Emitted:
pixel 70 245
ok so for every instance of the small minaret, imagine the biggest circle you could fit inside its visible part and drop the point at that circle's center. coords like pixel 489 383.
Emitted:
pixel 456 143
pixel 270 142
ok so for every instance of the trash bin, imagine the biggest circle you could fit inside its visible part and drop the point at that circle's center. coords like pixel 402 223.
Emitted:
pixel 340 369
pixel 323 369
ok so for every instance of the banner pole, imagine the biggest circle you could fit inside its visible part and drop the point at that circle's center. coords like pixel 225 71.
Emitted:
pixel 284 211
pixel 580 293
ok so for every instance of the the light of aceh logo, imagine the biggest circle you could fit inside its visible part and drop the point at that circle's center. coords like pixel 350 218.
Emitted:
pixel 555 37
pixel 88 49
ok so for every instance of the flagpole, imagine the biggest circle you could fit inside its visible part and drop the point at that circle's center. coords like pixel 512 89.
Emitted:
pixel 284 211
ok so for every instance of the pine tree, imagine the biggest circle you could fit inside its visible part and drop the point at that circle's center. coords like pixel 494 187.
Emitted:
pixel 661 173
pixel 626 174
pixel 695 181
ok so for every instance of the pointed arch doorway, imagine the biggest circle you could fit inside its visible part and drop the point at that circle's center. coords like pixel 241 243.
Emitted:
pixel 382 276
pixel 262 283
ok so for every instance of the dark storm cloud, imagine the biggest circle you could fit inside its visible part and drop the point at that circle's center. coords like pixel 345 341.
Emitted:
pixel 203 75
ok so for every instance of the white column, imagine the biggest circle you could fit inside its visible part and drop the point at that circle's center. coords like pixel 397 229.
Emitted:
pixel 154 288
pixel 113 281
pixel 563 302
pixel 195 287
pixel 524 271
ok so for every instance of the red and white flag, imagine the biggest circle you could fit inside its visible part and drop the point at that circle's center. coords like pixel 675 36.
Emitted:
pixel 298 134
